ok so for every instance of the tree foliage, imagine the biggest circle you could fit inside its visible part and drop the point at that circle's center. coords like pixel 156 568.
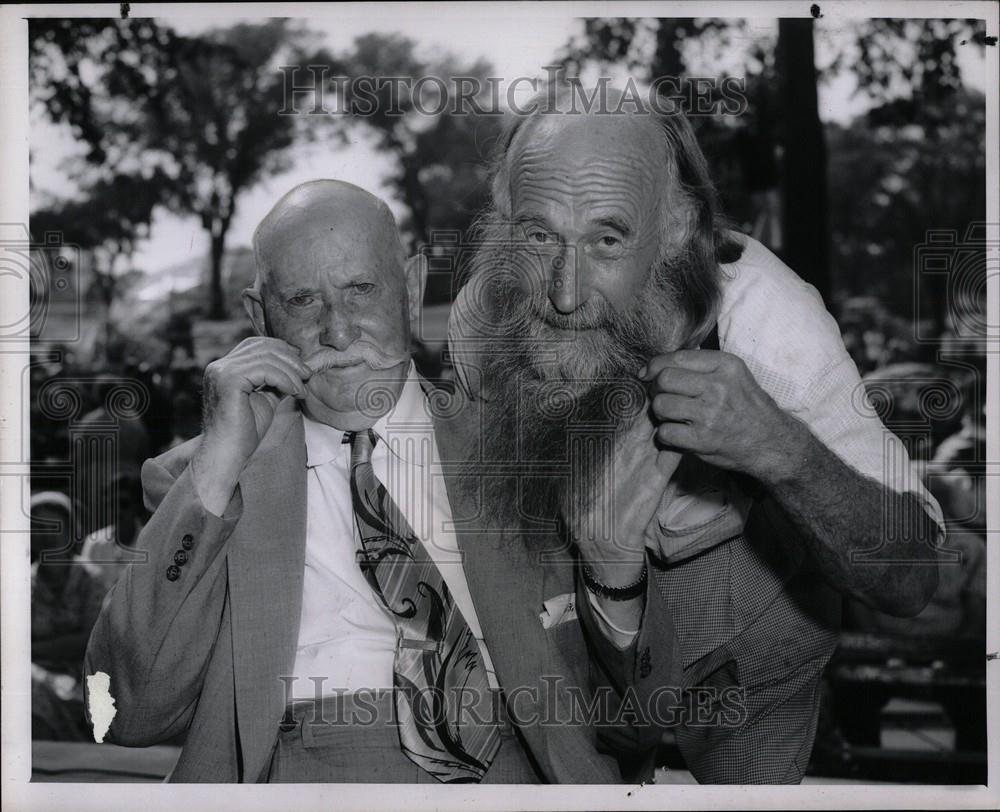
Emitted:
pixel 111 216
pixel 105 224
pixel 914 162
pixel 892 182
pixel 440 158
pixel 199 111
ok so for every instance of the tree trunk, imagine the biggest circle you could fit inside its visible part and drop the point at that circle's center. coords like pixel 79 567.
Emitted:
pixel 667 59
pixel 804 210
pixel 108 294
pixel 106 282
pixel 217 302
pixel 415 197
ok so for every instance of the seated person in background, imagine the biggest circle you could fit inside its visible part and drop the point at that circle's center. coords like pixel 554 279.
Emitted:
pixel 955 476
pixel 186 421
pixel 959 483
pixel 959 463
pixel 956 613
pixel 106 551
pixel 65 602
pixel 955 616
pixel 961 595
pixel 131 443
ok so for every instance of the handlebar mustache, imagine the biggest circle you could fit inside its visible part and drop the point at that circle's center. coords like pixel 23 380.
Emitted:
pixel 363 352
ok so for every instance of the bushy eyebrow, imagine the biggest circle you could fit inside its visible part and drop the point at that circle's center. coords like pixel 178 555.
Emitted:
pixel 617 223
pixel 531 218
pixel 291 293
pixel 360 277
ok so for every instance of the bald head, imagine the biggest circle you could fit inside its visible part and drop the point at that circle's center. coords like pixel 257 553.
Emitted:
pixel 332 282
pixel 325 206
pixel 635 138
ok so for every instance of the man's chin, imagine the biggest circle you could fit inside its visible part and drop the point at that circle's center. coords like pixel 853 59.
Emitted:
pixel 339 412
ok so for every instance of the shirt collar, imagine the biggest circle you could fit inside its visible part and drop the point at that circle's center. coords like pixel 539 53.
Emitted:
pixel 410 414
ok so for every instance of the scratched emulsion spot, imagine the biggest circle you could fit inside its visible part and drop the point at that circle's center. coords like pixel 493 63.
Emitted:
pixel 102 704
pixel 815 11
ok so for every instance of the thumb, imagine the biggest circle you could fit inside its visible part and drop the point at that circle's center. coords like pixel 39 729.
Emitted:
pixel 263 404
pixel 264 399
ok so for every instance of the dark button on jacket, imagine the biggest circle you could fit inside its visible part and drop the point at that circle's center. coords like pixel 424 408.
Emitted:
pixel 645 663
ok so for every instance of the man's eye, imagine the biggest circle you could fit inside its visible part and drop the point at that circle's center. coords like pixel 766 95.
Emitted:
pixel 300 301
pixel 541 237
pixel 608 241
pixel 364 287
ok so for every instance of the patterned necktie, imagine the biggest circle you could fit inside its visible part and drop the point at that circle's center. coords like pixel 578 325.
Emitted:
pixel 437 657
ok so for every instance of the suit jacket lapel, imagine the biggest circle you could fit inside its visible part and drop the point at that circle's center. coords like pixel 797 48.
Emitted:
pixel 505 589
pixel 266 566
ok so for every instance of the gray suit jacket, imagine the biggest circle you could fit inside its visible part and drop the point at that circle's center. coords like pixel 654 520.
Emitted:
pixel 203 653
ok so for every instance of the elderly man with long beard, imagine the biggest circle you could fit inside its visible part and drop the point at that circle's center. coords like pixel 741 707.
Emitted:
pixel 747 485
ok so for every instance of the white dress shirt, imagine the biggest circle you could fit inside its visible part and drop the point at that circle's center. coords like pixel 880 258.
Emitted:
pixel 346 638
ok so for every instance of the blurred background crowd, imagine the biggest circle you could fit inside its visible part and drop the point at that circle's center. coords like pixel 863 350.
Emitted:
pixel 156 147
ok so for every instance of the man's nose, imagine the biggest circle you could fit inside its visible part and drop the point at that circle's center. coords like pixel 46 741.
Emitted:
pixel 566 283
pixel 339 331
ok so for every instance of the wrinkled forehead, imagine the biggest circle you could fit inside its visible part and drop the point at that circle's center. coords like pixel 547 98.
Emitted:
pixel 582 162
pixel 315 244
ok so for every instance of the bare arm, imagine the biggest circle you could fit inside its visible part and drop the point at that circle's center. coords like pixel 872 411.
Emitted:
pixel 869 541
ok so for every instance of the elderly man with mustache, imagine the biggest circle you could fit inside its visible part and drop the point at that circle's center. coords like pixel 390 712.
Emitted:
pixel 746 484
pixel 317 603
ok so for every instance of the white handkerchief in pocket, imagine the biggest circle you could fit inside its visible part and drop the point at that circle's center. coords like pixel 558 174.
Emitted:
pixel 560 609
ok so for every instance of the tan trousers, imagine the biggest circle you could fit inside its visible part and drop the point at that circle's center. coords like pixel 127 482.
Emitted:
pixel 347 740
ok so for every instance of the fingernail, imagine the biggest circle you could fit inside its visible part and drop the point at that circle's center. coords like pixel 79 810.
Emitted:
pixel 642 372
